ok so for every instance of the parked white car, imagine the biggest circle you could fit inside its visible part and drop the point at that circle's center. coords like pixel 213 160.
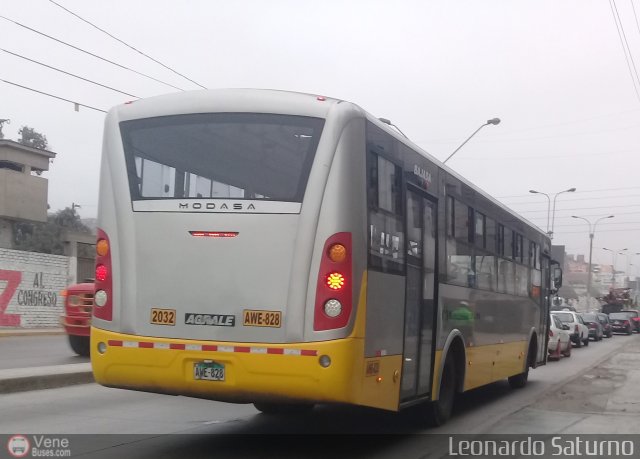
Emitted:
pixel 559 339
pixel 579 331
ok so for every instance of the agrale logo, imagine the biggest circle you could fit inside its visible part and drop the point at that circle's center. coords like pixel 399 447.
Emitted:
pixel 18 446
pixel 220 320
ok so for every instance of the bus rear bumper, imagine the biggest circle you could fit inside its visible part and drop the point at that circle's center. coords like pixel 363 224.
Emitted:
pixel 252 371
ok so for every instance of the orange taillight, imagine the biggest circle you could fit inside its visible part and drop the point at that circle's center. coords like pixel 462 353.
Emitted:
pixel 102 247
pixel 337 253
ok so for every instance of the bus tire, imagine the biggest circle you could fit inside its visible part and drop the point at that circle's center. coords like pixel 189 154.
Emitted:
pixel 520 380
pixel 439 411
pixel 283 408
pixel 80 345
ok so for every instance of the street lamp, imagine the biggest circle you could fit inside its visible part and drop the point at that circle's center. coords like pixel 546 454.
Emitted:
pixel 613 266
pixel 493 121
pixel 553 215
pixel 591 233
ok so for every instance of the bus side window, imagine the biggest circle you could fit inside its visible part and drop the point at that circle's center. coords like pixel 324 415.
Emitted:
pixel 460 253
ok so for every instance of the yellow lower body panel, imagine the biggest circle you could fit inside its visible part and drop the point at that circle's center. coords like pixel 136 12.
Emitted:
pixel 486 364
pixel 493 362
pixel 254 372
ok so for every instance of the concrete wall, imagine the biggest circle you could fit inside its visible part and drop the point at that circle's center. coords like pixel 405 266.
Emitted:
pixel 23 196
pixel 30 285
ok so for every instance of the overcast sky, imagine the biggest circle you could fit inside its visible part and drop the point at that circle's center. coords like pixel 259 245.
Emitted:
pixel 554 71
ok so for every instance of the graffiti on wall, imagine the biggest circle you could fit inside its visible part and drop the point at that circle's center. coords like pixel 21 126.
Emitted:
pixel 12 279
pixel 33 293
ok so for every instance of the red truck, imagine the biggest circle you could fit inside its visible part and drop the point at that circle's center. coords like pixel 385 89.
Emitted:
pixel 76 320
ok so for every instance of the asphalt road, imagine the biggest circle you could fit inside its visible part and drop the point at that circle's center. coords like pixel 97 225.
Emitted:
pixel 36 351
pixel 582 394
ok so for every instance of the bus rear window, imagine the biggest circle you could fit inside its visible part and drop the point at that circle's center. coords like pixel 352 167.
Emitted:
pixel 220 155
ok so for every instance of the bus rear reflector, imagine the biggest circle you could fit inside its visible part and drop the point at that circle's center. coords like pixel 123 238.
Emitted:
pixel 103 309
pixel 334 289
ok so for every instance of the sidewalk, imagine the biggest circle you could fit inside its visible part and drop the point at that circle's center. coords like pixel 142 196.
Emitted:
pixel 4 331
pixel 42 377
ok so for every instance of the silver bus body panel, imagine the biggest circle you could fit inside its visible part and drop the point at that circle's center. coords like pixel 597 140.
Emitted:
pixel 341 199
pixel 271 265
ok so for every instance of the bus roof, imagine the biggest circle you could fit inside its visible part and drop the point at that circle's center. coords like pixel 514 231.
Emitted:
pixel 244 99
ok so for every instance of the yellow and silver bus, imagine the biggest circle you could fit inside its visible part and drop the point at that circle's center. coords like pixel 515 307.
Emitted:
pixel 288 249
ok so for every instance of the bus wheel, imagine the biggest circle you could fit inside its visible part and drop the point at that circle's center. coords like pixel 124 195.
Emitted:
pixel 439 411
pixel 283 408
pixel 519 381
pixel 80 345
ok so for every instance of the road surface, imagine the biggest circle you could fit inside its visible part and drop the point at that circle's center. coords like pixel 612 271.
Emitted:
pixel 587 393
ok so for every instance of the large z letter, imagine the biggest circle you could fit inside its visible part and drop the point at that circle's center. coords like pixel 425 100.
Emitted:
pixel 13 279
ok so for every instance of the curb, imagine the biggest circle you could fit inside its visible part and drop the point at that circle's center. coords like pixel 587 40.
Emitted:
pixel 9 332
pixel 38 378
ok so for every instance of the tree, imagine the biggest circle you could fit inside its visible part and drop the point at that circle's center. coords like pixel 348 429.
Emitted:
pixel 47 237
pixel 32 138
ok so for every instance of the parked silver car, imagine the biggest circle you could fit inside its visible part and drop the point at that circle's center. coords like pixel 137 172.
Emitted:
pixel 579 331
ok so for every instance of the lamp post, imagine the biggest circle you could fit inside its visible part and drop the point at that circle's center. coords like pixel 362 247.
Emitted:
pixel 553 214
pixel 493 121
pixel 592 231
pixel 548 205
pixel 613 266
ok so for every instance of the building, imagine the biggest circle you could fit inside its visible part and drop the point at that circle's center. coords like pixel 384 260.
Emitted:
pixel 23 192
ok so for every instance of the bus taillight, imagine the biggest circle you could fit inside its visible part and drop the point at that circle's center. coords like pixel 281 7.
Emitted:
pixel 104 278
pixel 333 289
pixel 335 281
pixel 101 272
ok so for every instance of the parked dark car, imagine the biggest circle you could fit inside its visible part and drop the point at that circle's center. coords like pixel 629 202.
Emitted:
pixel 635 317
pixel 595 327
pixel 606 324
pixel 621 322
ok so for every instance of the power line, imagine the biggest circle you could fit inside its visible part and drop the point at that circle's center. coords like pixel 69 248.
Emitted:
pixel 127 45
pixel 560 217
pixel 635 15
pixel 623 41
pixel 68 73
pixel 576 199
pixel 604 224
pixel 552 156
pixel 599 231
pixel 577 208
pixel 90 53
pixel 55 97
pixel 578 191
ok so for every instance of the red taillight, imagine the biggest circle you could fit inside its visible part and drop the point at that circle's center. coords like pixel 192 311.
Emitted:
pixel 577 330
pixel 335 281
pixel 550 333
pixel 334 291
pixel 101 272
pixel 103 308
